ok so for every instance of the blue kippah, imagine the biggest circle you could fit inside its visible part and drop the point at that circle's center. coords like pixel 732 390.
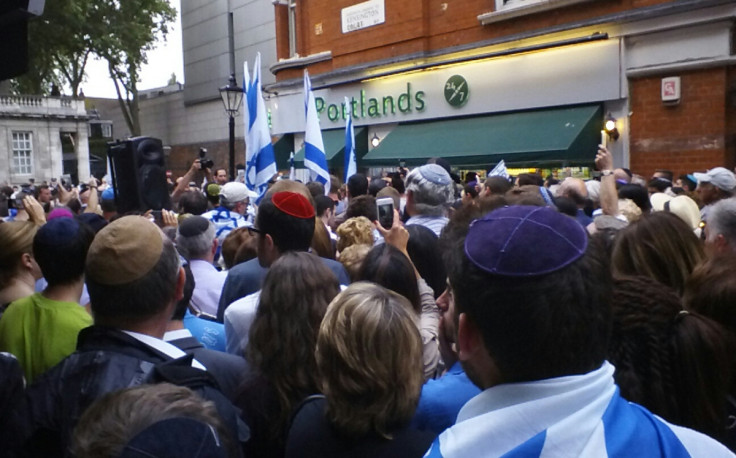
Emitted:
pixel 435 174
pixel 59 231
pixel 524 241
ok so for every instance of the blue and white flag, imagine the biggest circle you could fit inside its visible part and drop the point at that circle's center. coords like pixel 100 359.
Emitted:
pixel 259 156
pixel 499 170
pixel 578 415
pixel 314 149
pixel 351 167
pixel 291 166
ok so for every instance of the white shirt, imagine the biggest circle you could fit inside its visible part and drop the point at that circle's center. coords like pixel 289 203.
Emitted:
pixel 239 317
pixel 208 283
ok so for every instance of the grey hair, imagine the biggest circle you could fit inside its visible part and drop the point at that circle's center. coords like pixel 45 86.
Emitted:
pixel 722 220
pixel 197 246
pixel 430 199
pixel 227 204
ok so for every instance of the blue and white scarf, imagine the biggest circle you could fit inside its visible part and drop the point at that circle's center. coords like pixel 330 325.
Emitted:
pixel 573 416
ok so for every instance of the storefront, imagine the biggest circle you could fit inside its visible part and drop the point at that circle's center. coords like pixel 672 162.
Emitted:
pixel 543 108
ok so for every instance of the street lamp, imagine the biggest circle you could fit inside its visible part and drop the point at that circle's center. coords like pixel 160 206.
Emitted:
pixel 232 96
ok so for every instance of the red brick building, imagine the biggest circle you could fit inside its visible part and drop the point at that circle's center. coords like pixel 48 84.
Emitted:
pixel 527 81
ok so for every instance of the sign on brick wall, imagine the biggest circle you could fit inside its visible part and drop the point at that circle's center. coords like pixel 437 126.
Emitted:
pixel 363 15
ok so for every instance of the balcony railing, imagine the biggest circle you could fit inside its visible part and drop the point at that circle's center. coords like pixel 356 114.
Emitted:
pixel 35 106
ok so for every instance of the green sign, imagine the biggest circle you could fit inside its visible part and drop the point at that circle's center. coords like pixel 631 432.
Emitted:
pixel 374 107
pixel 456 91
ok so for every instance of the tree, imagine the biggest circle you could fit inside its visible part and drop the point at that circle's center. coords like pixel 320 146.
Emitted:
pixel 119 31
pixel 60 43
pixel 133 27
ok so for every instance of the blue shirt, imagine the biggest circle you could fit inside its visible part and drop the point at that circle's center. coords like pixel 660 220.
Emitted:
pixel 209 333
pixel 442 399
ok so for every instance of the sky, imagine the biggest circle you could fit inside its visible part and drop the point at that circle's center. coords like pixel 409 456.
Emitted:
pixel 165 59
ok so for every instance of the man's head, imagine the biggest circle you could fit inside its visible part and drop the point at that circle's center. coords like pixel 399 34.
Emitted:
pixel 429 190
pixel 720 230
pixel 195 238
pixel 325 208
pixel 133 275
pixel 221 176
pixel 192 202
pixel 357 185
pixel 495 186
pixel 574 188
pixel 285 222
pixel 235 197
pixel 60 249
pixel 531 297
pixel 43 194
pixel 716 184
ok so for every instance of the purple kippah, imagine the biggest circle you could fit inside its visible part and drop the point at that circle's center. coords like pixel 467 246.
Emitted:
pixel 524 241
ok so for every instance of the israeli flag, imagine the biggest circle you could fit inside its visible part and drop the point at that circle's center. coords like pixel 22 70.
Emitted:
pixel 314 149
pixel 499 170
pixel 351 167
pixel 259 156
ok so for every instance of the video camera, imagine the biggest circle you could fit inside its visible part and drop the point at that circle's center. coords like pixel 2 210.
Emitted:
pixel 205 162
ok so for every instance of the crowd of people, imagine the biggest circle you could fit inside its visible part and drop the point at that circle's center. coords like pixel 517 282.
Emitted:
pixel 505 316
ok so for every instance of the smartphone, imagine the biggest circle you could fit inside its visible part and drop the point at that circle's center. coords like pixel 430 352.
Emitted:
pixel 157 216
pixel 385 207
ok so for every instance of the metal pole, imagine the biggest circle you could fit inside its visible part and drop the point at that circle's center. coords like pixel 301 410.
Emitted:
pixel 232 148
pixel 231 41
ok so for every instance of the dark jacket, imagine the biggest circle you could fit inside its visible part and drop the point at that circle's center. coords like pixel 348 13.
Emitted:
pixel 228 370
pixel 247 278
pixel 106 360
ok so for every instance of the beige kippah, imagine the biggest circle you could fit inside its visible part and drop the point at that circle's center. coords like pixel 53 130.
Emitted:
pixel 124 251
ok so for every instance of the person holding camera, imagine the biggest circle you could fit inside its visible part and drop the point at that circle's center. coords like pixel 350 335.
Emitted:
pixel 199 165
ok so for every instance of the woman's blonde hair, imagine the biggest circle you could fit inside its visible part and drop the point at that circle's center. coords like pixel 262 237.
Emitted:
pixel 369 357
pixel 354 231
pixel 16 238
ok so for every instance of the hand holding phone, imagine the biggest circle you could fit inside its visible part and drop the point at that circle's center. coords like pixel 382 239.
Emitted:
pixel 385 206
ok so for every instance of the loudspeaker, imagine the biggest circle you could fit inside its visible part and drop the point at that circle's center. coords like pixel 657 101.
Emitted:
pixel 138 170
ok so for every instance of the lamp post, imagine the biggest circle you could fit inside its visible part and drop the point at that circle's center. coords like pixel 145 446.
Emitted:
pixel 232 96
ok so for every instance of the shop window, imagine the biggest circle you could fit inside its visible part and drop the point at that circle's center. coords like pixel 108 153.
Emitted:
pixel 22 153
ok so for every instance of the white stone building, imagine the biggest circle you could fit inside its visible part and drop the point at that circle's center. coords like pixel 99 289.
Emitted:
pixel 40 135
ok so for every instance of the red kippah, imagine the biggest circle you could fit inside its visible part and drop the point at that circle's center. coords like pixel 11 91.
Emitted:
pixel 293 204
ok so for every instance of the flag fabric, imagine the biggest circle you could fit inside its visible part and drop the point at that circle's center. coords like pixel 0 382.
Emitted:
pixel 291 166
pixel 259 156
pixel 314 149
pixel 578 415
pixel 499 170
pixel 351 167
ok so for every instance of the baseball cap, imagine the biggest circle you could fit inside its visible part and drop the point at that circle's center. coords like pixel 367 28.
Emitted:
pixel 719 177
pixel 236 192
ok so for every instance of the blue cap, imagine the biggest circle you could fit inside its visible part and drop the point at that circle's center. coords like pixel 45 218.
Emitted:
pixel 524 241
pixel 108 193
pixel 176 437
pixel 435 174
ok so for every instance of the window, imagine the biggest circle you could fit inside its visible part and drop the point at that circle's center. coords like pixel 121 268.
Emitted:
pixel 106 129
pixel 509 4
pixel 292 28
pixel 22 153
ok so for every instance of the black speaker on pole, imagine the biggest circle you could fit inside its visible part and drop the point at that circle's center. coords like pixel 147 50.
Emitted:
pixel 138 170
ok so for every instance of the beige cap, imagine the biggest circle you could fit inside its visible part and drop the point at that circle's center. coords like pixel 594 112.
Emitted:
pixel 124 251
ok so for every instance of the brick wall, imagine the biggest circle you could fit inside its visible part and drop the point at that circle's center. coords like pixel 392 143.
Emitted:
pixel 414 26
pixel 684 138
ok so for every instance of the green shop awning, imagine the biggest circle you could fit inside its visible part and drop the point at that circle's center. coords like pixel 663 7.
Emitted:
pixel 334 141
pixel 560 136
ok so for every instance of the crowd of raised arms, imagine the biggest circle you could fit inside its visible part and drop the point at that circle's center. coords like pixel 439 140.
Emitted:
pixel 407 314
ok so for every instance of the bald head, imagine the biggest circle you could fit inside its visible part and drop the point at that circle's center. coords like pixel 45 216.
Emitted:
pixel 573 188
